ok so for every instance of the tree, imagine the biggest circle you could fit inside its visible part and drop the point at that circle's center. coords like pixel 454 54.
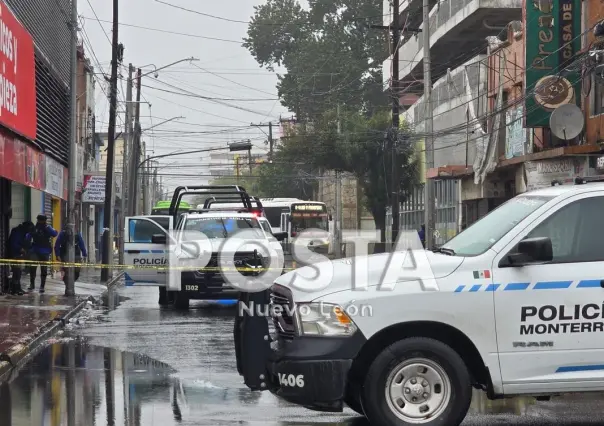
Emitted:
pixel 333 81
pixel 331 55
pixel 361 148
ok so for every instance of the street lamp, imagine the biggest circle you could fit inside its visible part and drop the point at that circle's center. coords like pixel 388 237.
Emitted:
pixel 243 146
pixel 155 71
pixel 163 122
pixel 240 146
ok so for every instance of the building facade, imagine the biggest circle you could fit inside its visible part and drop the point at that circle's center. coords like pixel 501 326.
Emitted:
pixel 35 113
pixel 458 32
pixel 87 151
pixel 496 137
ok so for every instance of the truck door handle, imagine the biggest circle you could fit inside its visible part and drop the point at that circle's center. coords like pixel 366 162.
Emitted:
pixel 133 251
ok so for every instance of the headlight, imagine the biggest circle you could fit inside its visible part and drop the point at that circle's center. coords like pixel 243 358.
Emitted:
pixel 323 319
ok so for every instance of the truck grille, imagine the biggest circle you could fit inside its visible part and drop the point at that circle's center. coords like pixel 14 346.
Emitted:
pixel 281 309
pixel 239 261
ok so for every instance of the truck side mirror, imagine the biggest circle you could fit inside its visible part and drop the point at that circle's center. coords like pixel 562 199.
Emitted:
pixel 280 236
pixel 158 239
pixel 530 250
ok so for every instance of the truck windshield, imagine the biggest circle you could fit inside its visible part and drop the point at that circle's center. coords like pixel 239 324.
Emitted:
pixel 483 234
pixel 221 227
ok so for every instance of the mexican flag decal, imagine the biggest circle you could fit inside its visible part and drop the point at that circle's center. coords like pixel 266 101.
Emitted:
pixel 482 274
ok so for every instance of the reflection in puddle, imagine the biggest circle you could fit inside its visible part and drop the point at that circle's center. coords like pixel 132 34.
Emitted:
pixel 73 383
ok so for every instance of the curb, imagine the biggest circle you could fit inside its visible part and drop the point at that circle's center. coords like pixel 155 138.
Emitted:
pixel 19 354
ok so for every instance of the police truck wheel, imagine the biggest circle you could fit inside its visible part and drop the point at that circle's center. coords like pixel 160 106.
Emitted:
pixel 163 297
pixel 181 301
pixel 417 381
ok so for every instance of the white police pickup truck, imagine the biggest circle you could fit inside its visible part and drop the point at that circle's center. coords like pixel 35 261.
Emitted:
pixel 513 305
pixel 188 261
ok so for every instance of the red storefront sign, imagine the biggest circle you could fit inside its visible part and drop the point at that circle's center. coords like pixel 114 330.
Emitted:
pixel 17 76
pixel 26 165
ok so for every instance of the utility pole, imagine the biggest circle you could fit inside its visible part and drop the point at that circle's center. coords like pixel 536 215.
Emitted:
pixel 127 147
pixel 155 188
pixel 429 186
pixel 135 152
pixel 249 159
pixel 145 185
pixel 338 222
pixel 270 136
pixel 393 135
pixel 73 158
pixel 270 140
pixel 395 182
pixel 147 208
pixel 107 252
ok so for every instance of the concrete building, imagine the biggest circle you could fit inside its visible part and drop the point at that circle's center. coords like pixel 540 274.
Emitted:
pixel 87 149
pixel 492 131
pixel 458 32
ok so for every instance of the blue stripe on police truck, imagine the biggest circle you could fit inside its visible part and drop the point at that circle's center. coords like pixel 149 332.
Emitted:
pixel 152 251
pixel 578 368
pixel 129 282
pixel 541 285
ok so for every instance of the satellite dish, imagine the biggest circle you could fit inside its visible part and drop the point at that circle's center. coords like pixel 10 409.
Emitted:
pixel 567 121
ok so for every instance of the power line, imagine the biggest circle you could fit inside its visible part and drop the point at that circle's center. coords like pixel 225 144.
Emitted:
pixel 97 19
pixel 211 98
pixel 140 27
pixel 222 18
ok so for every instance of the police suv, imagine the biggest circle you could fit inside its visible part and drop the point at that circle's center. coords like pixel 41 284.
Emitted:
pixel 194 259
pixel 513 305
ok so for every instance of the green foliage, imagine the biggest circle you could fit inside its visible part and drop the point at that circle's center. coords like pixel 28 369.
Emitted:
pixel 331 54
pixel 360 148
pixel 273 180
pixel 334 62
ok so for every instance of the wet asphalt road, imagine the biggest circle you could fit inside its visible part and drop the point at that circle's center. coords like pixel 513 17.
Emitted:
pixel 136 364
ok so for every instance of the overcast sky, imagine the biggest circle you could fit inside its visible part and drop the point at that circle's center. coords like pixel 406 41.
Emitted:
pixel 225 70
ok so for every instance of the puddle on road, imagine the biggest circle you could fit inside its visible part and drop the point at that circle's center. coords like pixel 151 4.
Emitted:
pixel 75 383
pixel 45 308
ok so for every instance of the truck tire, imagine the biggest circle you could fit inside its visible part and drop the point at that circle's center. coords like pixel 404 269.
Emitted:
pixel 417 381
pixel 181 301
pixel 163 297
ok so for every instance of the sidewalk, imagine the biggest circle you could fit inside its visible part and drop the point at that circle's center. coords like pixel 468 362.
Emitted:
pixel 26 319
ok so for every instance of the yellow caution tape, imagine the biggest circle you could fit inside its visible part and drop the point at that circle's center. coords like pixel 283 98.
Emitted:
pixel 30 263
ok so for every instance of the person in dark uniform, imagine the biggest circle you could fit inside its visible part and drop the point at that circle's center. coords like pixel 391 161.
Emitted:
pixel 17 250
pixel 40 240
pixel 422 235
pixel 61 252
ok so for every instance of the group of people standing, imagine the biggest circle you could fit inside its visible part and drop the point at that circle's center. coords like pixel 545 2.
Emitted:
pixel 34 243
